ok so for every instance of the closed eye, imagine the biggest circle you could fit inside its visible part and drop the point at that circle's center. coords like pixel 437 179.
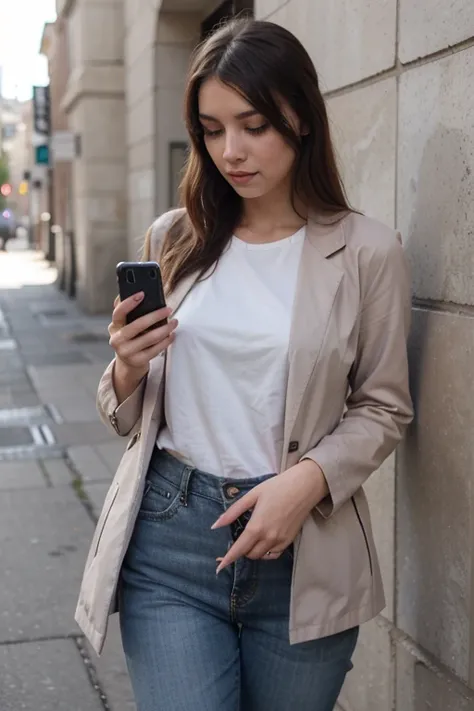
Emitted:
pixel 212 134
pixel 258 130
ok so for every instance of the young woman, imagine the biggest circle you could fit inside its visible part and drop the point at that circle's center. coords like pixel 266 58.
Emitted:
pixel 278 386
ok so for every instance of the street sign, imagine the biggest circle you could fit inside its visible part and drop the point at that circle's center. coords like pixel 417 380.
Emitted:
pixel 41 110
pixel 63 146
pixel 42 154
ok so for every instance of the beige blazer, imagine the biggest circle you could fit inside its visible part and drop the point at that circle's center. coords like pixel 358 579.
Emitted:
pixel 347 407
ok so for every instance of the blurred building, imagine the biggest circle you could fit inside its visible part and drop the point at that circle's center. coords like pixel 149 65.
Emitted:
pixel 62 155
pixel 16 148
pixel 122 101
pixel 397 76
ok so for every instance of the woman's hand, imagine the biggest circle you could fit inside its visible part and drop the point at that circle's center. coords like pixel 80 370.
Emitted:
pixel 280 506
pixel 133 346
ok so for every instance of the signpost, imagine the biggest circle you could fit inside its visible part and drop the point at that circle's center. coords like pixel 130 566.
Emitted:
pixel 42 154
pixel 41 139
pixel 41 110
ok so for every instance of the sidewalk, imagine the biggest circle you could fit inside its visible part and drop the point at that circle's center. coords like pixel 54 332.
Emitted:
pixel 56 463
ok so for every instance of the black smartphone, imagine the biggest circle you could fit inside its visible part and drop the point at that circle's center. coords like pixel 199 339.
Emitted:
pixel 133 277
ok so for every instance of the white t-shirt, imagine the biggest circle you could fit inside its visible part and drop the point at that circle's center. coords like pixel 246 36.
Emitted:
pixel 228 367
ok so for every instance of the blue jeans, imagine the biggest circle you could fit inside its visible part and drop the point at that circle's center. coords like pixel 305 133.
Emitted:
pixel 197 642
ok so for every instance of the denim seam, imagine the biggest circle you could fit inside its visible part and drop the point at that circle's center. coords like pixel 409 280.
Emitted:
pixel 164 516
pixel 244 599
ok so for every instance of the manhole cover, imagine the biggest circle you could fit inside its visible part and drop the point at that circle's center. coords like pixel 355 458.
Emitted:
pixel 15 436
pixel 26 442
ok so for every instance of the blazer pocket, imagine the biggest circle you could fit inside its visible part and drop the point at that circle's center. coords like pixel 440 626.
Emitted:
pixel 364 533
pixel 106 509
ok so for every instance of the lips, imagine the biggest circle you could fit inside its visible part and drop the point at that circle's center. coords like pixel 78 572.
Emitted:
pixel 241 178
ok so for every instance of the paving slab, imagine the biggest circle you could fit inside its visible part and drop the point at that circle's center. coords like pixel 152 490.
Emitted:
pixel 42 676
pixel 57 471
pixel 79 375
pixel 112 452
pixel 74 410
pixel 70 434
pixel 21 475
pixel 44 538
pixel 111 670
pixel 13 398
pixel 88 464
pixel 67 358
pixel 96 493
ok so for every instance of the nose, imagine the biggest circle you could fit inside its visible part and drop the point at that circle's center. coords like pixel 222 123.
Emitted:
pixel 233 150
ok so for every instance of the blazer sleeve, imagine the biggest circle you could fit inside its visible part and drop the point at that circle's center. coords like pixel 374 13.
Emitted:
pixel 379 406
pixel 123 418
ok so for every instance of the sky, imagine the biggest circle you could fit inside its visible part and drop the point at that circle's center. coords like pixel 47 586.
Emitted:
pixel 21 29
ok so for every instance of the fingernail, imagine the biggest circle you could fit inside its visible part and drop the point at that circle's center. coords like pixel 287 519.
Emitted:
pixel 214 525
pixel 139 296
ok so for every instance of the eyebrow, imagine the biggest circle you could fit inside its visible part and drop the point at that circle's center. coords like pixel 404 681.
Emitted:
pixel 242 115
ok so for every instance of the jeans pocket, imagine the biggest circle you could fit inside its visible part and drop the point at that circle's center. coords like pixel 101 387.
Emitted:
pixel 161 500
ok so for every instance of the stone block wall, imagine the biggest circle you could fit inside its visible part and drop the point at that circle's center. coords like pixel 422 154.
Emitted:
pixel 399 77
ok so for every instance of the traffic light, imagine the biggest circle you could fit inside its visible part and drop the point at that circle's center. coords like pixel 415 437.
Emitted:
pixel 6 189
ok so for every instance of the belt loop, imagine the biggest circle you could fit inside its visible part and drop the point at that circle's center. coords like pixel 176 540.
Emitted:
pixel 184 486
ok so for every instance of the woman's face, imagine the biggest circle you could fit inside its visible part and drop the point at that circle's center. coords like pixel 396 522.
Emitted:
pixel 251 155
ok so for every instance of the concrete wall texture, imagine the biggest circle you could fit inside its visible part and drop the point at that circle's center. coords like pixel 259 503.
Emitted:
pixel 398 77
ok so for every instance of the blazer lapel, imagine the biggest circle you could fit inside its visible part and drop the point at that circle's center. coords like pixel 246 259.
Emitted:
pixel 317 286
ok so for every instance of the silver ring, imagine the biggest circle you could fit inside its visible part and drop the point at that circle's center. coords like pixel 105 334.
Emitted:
pixel 269 553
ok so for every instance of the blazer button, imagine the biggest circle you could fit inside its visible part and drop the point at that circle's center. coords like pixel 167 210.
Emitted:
pixel 293 447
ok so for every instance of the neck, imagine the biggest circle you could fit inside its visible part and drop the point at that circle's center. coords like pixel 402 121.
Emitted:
pixel 273 212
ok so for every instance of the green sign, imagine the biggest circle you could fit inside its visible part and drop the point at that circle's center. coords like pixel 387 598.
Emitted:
pixel 42 155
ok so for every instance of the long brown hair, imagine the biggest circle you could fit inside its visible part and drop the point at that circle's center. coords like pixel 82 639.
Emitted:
pixel 267 65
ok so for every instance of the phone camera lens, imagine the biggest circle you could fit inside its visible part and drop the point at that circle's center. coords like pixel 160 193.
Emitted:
pixel 130 276
pixel 153 273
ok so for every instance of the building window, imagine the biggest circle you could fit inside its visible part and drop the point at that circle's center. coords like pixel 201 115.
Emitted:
pixel 9 131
